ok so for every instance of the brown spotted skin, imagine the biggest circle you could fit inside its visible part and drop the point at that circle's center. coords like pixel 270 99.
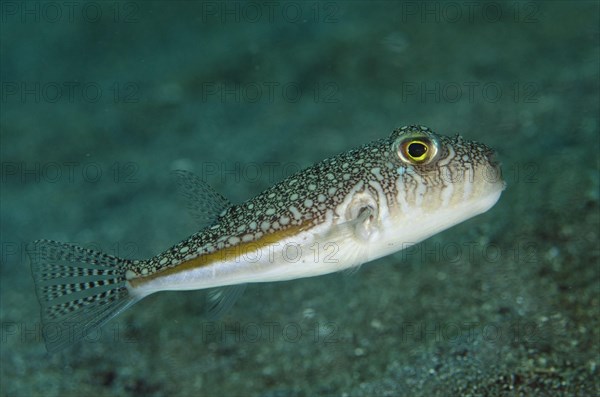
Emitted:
pixel 302 199
pixel 299 199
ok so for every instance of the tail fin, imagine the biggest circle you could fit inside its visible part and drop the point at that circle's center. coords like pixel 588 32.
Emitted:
pixel 78 289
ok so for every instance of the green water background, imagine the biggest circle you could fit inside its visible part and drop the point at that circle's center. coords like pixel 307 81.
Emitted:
pixel 101 100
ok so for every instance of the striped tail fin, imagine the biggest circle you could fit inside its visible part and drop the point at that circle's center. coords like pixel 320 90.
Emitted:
pixel 79 290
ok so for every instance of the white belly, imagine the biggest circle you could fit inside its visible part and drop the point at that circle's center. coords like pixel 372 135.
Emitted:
pixel 327 248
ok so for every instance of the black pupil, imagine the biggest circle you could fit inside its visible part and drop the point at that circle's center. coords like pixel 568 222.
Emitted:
pixel 416 149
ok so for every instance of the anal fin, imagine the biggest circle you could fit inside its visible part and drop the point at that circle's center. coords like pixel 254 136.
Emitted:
pixel 221 300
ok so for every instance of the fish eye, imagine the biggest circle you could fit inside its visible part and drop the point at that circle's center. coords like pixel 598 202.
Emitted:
pixel 417 150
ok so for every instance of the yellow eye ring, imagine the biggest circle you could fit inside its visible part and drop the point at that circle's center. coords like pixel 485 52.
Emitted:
pixel 417 150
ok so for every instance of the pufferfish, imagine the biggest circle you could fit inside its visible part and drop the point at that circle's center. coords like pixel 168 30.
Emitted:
pixel 344 211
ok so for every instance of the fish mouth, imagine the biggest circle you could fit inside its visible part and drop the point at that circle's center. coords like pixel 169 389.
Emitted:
pixel 492 157
pixel 493 172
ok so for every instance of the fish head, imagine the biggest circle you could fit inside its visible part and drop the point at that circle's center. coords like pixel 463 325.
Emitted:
pixel 442 180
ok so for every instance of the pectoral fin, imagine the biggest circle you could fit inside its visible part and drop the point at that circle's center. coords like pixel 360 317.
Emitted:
pixel 352 236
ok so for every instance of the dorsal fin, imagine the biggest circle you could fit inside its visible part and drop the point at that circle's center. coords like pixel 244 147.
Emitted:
pixel 204 203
